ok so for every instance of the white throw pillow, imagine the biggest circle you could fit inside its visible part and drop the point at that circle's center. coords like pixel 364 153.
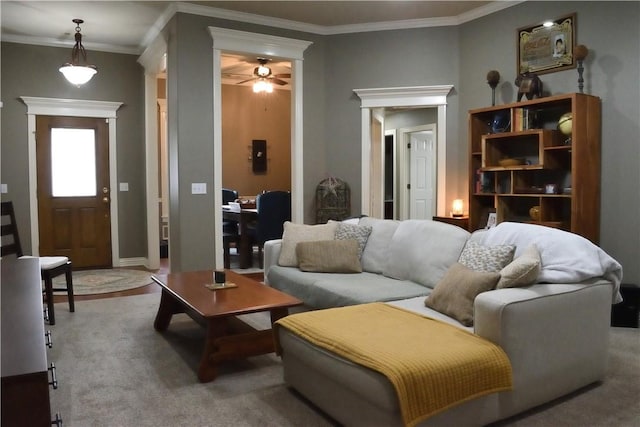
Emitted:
pixel 522 271
pixel 360 233
pixel 296 233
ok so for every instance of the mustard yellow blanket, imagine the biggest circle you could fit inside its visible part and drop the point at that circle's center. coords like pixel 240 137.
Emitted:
pixel 432 365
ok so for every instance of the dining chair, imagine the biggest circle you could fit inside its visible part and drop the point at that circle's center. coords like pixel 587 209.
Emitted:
pixel 230 232
pixel 50 266
pixel 274 208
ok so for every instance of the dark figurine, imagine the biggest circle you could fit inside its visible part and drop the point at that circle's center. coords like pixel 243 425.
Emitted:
pixel 530 85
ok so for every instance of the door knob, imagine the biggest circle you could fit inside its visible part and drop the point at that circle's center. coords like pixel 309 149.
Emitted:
pixel 105 199
pixel 105 190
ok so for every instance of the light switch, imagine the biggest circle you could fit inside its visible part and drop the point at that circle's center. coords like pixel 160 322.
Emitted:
pixel 124 186
pixel 3 188
pixel 198 188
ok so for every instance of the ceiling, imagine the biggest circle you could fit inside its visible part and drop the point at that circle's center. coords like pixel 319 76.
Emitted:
pixel 130 26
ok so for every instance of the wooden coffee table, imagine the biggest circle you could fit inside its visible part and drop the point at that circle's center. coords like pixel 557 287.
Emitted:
pixel 227 337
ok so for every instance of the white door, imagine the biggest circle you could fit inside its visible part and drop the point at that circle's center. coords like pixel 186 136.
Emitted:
pixel 422 174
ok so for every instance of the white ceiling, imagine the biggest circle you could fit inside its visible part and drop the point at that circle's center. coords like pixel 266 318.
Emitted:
pixel 129 26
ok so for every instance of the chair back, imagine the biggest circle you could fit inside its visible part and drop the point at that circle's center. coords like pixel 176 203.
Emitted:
pixel 9 239
pixel 228 196
pixel 274 208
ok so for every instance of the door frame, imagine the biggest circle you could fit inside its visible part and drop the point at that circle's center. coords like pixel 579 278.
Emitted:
pixel 415 96
pixel 37 106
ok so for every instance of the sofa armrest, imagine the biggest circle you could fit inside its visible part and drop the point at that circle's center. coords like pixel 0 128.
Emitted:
pixel 555 335
pixel 271 255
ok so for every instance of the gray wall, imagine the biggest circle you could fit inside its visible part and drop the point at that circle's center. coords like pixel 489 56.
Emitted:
pixel 29 70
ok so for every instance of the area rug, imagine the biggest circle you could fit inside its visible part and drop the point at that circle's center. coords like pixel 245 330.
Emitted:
pixel 89 282
pixel 113 365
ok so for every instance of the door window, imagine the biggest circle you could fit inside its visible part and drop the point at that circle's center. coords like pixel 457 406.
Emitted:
pixel 73 162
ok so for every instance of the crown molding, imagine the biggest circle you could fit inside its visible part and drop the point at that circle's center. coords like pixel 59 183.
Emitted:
pixel 51 42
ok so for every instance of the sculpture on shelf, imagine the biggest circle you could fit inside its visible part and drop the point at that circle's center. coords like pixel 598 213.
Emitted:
pixel 493 77
pixel 529 84
pixel 580 53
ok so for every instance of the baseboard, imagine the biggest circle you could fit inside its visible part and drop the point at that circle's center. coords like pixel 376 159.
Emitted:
pixel 131 262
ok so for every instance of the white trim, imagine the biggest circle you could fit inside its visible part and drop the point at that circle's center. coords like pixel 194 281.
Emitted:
pixel 74 108
pixel 416 96
pixel 132 262
pixel 258 44
pixel 152 59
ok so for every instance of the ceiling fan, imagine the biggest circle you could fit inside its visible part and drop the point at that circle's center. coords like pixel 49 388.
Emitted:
pixel 264 73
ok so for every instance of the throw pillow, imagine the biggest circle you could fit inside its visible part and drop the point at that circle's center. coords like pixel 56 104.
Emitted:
pixel 522 271
pixel 360 233
pixel 296 233
pixel 486 258
pixel 455 293
pixel 329 256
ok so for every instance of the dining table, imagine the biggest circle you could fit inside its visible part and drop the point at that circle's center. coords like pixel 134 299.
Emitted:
pixel 243 216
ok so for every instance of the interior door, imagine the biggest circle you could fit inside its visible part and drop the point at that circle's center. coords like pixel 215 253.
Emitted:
pixel 422 175
pixel 73 189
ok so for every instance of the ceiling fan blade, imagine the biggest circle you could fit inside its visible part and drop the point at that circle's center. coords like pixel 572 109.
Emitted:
pixel 245 81
pixel 277 81
pixel 283 76
pixel 236 75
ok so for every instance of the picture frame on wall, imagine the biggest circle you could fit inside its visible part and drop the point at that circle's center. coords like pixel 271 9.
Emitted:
pixel 548 47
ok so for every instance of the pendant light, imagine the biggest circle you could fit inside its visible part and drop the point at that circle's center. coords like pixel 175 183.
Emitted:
pixel 78 72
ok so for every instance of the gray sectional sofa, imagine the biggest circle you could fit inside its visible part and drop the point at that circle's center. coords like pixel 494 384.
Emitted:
pixel 554 331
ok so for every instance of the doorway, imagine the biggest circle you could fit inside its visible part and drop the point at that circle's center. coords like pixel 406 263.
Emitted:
pixel 102 110
pixel 421 189
pixel 73 189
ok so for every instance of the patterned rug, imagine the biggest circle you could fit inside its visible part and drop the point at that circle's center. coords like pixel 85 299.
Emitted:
pixel 87 282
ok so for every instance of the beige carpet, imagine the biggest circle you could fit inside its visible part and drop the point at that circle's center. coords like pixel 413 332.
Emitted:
pixel 114 369
pixel 89 282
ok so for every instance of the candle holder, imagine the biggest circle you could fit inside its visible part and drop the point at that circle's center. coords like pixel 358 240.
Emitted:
pixel 580 53
pixel 493 77
pixel 457 208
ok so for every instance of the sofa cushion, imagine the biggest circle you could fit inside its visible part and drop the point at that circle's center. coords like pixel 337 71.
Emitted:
pixel 360 233
pixel 329 256
pixel 486 258
pixel 296 233
pixel 522 271
pixel 325 290
pixel 423 250
pixel 376 251
pixel 455 293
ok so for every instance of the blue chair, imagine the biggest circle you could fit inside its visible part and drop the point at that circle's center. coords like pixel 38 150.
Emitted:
pixel 274 208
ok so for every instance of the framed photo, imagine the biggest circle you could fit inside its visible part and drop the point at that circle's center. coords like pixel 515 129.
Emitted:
pixel 547 49
pixel 492 220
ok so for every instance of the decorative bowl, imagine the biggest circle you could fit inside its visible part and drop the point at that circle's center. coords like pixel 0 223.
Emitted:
pixel 510 162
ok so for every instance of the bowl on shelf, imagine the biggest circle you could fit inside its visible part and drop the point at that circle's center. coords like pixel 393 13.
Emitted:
pixel 510 162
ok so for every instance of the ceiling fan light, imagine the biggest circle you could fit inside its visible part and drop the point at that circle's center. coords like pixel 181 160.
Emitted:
pixel 77 74
pixel 262 86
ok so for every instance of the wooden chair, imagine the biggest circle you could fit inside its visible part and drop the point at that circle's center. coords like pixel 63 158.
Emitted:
pixel 50 267
pixel 229 228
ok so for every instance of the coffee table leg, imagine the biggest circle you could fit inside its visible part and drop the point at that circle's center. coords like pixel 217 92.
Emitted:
pixel 278 313
pixel 216 328
pixel 168 306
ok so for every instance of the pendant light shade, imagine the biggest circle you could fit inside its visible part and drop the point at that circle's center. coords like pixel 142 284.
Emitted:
pixel 78 71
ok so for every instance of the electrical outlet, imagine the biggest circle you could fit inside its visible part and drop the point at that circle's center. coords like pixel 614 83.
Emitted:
pixel 3 188
pixel 124 186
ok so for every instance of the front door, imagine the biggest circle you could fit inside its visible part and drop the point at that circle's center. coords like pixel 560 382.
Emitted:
pixel 73 189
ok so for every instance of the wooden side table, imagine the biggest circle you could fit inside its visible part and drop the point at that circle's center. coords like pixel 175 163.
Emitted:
pixel 461 221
